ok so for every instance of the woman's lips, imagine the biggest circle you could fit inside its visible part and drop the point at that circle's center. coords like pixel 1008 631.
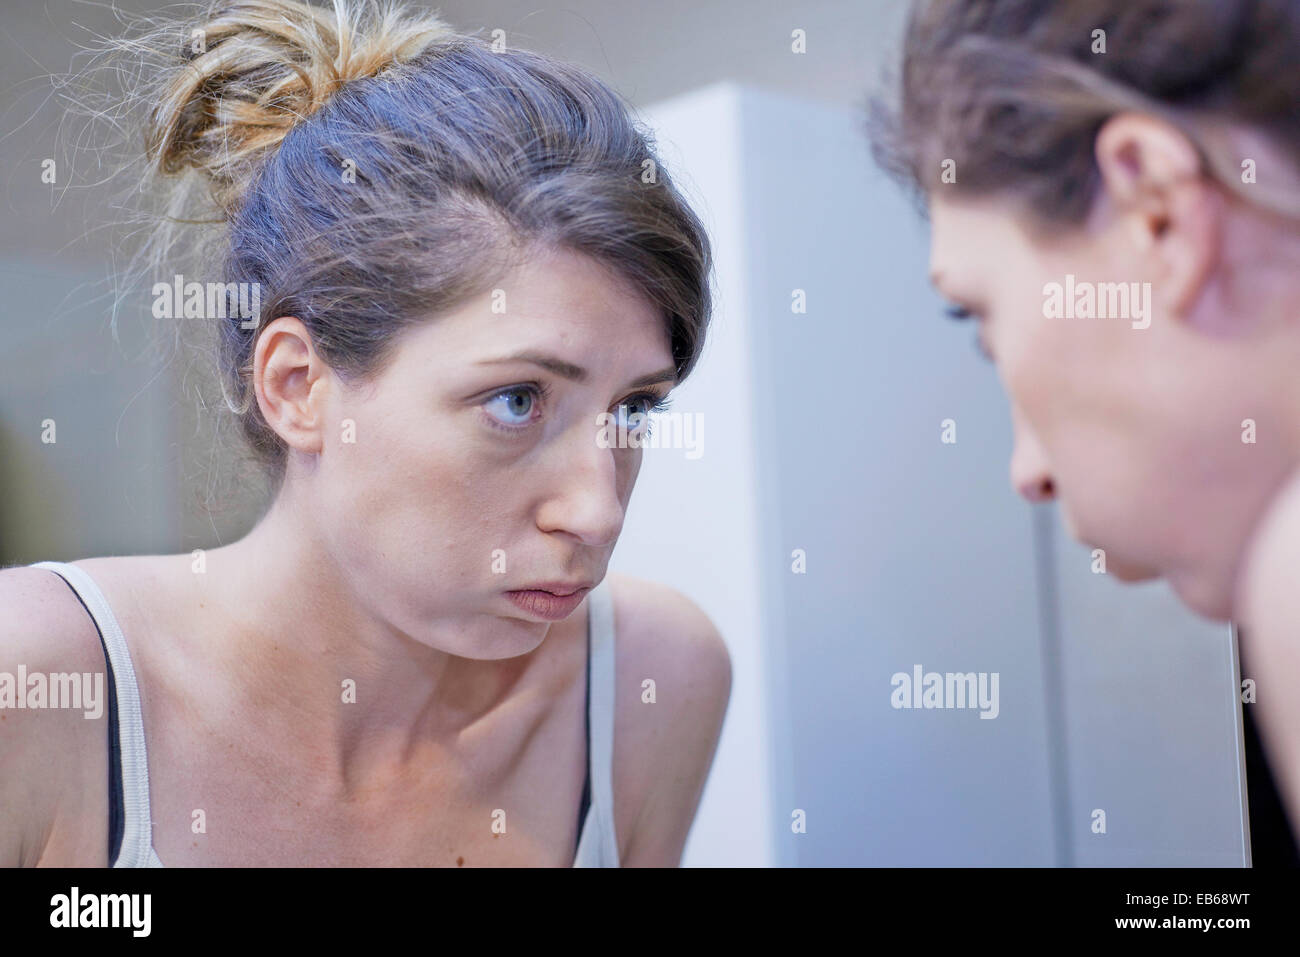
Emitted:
pixel 545 605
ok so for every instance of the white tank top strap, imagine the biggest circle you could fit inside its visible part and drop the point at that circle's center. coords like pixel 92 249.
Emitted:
pixel 137 831
pixel 598 846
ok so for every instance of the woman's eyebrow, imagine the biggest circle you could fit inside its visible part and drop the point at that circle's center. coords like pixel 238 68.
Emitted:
pixel 663 375
pixel 575 373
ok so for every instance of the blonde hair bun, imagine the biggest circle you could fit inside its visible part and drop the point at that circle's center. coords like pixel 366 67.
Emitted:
pixel 252 69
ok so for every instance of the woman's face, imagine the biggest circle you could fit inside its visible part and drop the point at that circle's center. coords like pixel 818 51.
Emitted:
pixel 476 467
pixel 1134 421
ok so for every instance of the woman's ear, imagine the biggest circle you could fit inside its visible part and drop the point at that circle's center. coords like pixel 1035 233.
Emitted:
pixel 289 381
pixel 1151 173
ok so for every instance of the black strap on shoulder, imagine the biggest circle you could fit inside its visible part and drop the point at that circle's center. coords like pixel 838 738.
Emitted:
pixel 116 801
pixel 586 717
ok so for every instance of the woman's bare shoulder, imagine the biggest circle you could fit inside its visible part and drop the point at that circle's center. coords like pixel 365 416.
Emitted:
pixel 44 626
pixel 673 674
pixel 49 746
pixel 657 623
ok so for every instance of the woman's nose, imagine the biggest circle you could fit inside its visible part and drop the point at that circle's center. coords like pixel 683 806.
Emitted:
pixel 586 502
pixel 1031 478
pixel 1034 488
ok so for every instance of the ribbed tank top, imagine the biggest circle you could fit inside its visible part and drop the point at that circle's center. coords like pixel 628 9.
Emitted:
pixel 130 830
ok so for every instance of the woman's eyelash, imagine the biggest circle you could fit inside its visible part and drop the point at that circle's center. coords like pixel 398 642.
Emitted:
pixel 657 404
pixel 962 314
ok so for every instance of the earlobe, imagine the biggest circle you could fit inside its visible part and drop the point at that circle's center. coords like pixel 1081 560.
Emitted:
pixel 286 372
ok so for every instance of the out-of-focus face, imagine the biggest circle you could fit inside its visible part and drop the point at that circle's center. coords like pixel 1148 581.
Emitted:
pixel 1135 423
pixel 476 467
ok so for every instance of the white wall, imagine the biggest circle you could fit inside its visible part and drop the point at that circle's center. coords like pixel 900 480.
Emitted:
pixel 790 201
pixel 694 522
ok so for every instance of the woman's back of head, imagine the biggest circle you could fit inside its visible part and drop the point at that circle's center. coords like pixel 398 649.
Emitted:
pixel 1014 92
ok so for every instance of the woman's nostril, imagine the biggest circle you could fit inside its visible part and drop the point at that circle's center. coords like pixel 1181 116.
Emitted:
pixel 1039 490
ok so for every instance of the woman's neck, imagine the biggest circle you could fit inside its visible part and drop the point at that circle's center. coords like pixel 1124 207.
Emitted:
pixel 321 669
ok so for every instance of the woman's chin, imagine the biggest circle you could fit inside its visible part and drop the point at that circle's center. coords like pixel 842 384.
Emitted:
pixel 1204 600
pixel 1131 573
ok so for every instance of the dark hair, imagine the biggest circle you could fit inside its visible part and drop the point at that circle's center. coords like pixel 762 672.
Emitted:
pixel 465 157
pixel 1013 93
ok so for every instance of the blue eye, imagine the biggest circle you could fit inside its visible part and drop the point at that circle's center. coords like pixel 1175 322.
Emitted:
pixel 642 405
pixel 514 406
